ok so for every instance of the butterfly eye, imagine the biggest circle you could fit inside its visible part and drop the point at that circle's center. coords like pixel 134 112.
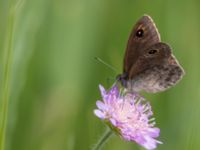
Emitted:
pixel 139 33
pixel 153 51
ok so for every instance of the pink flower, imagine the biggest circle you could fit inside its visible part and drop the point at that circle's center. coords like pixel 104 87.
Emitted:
pixel 128 114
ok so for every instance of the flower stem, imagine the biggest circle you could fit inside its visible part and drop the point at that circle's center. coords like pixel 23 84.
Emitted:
pixel 103 139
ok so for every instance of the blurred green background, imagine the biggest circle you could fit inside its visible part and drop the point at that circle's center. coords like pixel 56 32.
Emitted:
pixel 53 77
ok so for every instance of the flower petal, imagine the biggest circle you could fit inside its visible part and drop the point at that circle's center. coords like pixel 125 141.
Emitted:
pixel 150 143
pixel 114 91
pixel 113 121
pixel 103 91
pixel 101 105
pixel 154 132
pixel 99 113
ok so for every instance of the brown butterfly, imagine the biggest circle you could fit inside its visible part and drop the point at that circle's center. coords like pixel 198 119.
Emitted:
pixel 148 63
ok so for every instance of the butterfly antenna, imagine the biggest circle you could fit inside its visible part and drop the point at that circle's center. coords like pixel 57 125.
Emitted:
pixel 103 62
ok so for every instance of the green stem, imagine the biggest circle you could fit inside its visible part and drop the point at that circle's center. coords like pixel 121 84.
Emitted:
pixel 103 139
pixel 6 78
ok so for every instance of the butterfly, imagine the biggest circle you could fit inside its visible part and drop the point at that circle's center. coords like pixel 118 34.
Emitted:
pixel 148 64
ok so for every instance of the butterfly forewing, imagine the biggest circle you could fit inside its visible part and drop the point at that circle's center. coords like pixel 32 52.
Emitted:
pixel 143 35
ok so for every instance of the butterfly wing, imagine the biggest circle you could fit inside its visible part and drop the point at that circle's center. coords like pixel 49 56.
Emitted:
pixel 148 63
pixel 155 70
pixel 143 35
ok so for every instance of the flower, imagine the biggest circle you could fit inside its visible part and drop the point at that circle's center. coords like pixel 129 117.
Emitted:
pixel 129 115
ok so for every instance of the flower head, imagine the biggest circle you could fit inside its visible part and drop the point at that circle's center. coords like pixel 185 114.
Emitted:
pixel 128 114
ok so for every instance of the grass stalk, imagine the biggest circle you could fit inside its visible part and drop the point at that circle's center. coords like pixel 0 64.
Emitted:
pixel 7 62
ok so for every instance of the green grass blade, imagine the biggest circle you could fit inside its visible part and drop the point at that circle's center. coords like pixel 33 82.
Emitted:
pixel 6 77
